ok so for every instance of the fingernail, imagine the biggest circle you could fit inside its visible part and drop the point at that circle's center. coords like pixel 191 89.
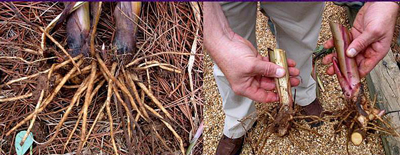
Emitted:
pixel 352 52
pixel 280 72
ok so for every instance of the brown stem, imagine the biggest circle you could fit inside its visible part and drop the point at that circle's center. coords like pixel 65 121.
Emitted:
pixel 126 18
pixel 78 27
pixel 345 67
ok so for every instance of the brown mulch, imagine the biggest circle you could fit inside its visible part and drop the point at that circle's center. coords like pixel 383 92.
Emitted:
pixel 168 28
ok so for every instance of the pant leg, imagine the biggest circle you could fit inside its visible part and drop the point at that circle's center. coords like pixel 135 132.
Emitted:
pixel 297 27
pixel 242 20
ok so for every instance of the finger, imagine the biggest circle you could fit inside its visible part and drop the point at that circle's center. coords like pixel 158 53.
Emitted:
pixel 267 69
pixel 294 82
pixel 356 30
pixel 364 69
pixel 260 95
pixel 271 97
pixel 294 71
pixel 267 83
pixel 361 43
pixel 330 70
pixel 266 58
pixel 366 64
pixel 329 44
pixel 359 58
pixel 291 63
pixel 327 59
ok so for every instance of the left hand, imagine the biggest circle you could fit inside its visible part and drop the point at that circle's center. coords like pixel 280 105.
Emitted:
pixel 372 35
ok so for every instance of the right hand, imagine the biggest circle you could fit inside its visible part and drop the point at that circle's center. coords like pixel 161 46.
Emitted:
pixel 250 74
pixel 372 33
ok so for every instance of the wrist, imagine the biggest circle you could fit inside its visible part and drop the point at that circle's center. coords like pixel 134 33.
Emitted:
pixel 216 27
pixel 390 4
pixel 391 9
pixel 219 47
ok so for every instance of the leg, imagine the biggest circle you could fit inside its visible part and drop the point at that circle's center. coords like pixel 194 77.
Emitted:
pixel 297 27
pixel 242 20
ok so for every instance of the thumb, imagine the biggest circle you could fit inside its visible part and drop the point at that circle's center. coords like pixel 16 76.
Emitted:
pixel 268 69
pixel 360 43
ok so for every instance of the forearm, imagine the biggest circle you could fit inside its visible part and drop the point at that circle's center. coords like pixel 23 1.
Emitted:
pixel 391 9
pixel 217 33
pixel 390 5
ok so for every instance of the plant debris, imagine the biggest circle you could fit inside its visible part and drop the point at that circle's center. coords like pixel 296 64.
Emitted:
pixel 301 139
pixel 101 102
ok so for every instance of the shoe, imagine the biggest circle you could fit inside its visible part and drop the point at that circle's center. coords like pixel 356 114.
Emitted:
pixel 228 146
pixel 313 109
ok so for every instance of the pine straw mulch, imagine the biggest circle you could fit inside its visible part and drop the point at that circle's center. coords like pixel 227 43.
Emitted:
pixel 301 139
pixel 162 77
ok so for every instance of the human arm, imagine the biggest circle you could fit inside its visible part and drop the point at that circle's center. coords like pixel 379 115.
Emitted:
pixel 248 73
pixel 372 34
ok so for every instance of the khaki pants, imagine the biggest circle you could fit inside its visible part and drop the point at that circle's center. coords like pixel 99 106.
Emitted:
pixel 297 26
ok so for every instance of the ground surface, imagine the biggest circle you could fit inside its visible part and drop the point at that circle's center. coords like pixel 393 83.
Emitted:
pixel 298 141
pixel 160 40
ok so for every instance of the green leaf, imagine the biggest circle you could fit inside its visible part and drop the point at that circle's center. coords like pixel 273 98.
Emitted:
pixel 329 50
pixel 319 49
pixel 28 142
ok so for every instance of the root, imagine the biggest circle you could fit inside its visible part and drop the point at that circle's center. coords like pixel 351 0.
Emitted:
pixel 25 61
pixel 99 115
pixel 357 136
pixel 263 139
pixel 83 71
pixel 152 97
pixel 117 82
pixel 47 100
pixel 126 92
pixel 73 130
pixel 42 72
pixel 75 99
pixel 88 100
pixel 107 103
pixel 16 98
pixel 161 139
pixel 306 129
pixel 61 47
pixel 129 80
pixel 388 125
pixel 156 54
pixel 164 66
pixel 282 122
pixel 170 128
pixel 33 119
pixel 73 91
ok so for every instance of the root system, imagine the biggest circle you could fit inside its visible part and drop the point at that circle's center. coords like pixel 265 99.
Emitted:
pixel 149 100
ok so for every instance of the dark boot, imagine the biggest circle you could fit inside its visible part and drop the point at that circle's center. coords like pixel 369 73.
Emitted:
pixel 313 109
pixel 228 146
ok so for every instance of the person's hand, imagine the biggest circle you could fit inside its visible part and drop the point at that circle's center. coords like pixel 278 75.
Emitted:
pixel 372 34
pixel 250 74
